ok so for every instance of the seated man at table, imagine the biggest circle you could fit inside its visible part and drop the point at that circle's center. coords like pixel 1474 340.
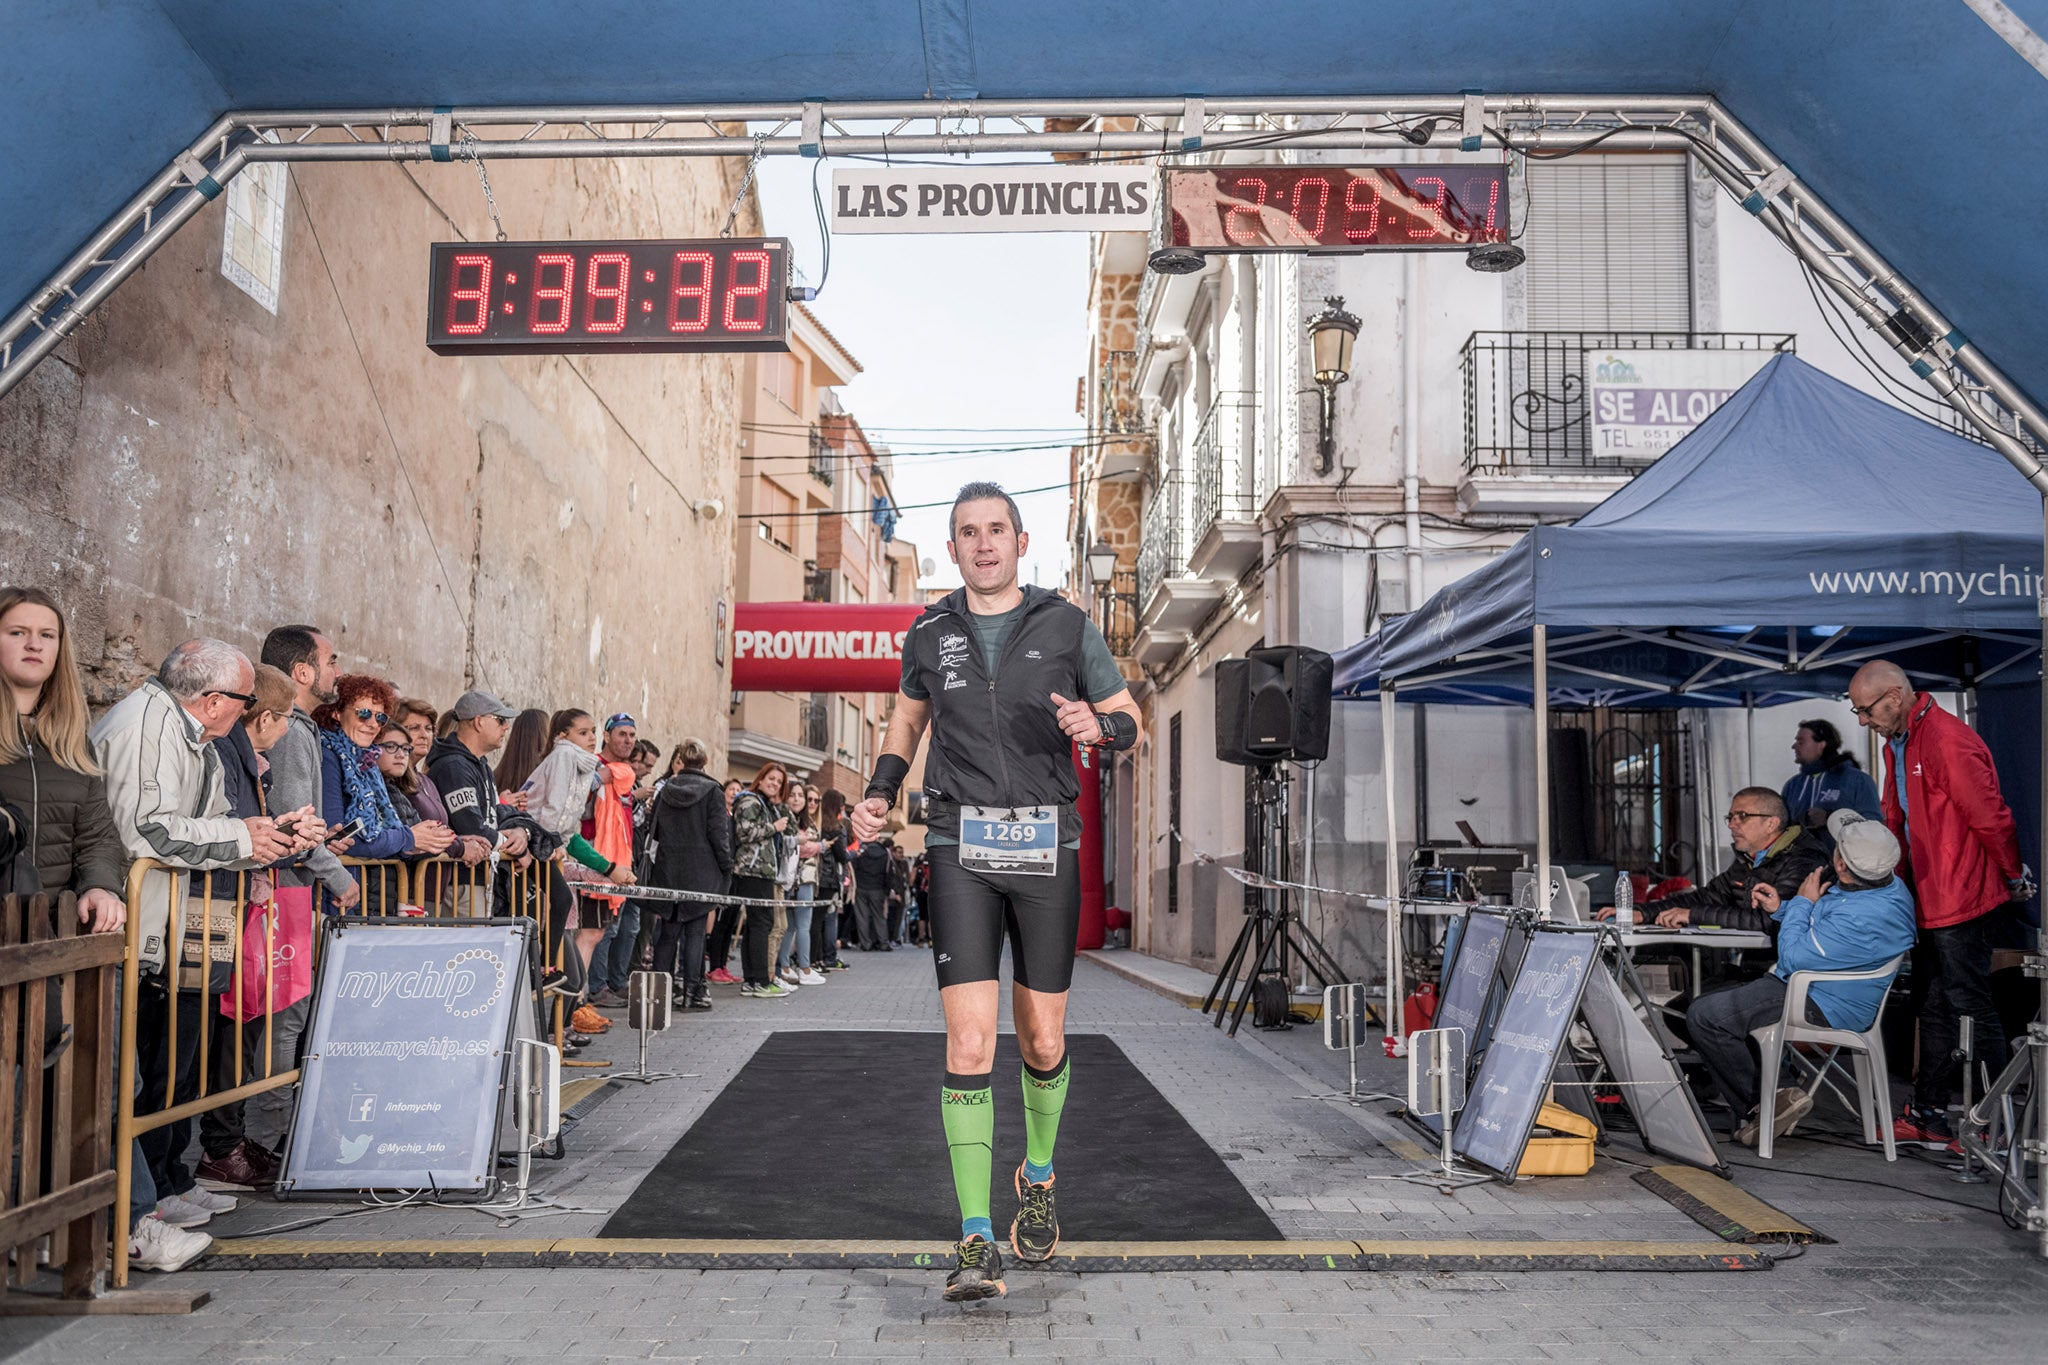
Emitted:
pixel 1856 925
pixel 1771 854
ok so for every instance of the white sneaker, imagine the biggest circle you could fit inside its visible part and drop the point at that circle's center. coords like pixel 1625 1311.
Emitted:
pixel 156 1245
pixel 209 1200
pixel 182 1213
pixel 810 978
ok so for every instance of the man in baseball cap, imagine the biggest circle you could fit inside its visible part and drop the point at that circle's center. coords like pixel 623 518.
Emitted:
pixel 1861 922
pixel 471 705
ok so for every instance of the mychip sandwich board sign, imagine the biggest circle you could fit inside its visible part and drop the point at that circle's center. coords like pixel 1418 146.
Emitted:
pixel 406 1055
pixel 1475 983
pixel 1528 1039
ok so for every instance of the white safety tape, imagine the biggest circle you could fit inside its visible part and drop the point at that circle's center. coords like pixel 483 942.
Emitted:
pixel 663 893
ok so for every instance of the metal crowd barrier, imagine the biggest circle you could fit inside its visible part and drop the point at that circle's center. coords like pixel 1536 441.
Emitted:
pixel 56 1126
pixel 204 929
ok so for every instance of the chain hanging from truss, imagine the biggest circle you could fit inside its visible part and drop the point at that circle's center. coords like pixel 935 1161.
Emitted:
pixel 746 183
pixel 473 150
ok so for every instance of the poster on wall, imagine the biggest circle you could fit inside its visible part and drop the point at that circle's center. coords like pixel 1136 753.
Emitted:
pixel 1639 404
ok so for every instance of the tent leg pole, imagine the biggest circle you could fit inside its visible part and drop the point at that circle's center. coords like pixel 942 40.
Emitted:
pixel 1543 897
pixel 2041 937
pixel 1395 1025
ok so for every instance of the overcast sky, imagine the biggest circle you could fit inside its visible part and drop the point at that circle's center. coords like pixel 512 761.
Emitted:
pixel 955 332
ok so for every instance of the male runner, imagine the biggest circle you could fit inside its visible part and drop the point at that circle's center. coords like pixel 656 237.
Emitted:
pixel 992 668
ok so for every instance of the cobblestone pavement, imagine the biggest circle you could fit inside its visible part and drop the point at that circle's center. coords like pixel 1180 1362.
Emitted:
pixel 1922 1268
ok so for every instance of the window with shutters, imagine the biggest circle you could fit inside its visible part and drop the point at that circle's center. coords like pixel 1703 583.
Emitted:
pixel 1609 245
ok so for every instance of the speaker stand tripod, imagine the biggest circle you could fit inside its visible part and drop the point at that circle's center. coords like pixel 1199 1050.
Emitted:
pixel 1258 964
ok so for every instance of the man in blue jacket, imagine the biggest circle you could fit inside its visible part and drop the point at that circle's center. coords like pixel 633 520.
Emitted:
pixel 1860 923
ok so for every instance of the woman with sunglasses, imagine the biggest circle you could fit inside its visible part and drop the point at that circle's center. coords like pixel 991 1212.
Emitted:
pixel 352 788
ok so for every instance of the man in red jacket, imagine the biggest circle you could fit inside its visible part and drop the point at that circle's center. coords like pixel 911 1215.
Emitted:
pixel 1941 799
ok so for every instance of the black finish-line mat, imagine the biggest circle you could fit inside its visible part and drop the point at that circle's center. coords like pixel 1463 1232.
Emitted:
pixel 836 1136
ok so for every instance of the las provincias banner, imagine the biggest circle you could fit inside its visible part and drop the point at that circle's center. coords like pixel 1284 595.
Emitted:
pixel 819 646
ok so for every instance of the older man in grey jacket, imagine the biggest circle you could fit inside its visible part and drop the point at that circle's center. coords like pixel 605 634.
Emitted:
pixel 168 802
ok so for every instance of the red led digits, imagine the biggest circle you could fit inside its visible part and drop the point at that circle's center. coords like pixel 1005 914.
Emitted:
pixel 480 296
pixel 697 295
pixel 673 296
pixel 1435 226
pixel 1319 188
pixel 735 292
pixel 539 320
pixel 612 296
pixel 1492 187
pixel 1253 235
pixel 1369 183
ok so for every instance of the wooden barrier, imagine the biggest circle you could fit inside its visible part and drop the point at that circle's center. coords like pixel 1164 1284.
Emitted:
pixel 57 990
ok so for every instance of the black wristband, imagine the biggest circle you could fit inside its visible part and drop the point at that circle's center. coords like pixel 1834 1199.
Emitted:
pixel 1119 730
pixel 890 771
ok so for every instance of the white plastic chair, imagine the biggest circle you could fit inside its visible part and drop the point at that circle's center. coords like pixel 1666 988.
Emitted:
pixel 1866 1049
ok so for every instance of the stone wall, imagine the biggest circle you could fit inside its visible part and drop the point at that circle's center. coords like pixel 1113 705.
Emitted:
pixel 190 463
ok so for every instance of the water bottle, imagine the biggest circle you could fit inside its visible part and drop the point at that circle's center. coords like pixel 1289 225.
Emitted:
pixel 1624 902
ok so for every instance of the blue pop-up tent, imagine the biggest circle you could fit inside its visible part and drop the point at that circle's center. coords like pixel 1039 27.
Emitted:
pixel 1800 531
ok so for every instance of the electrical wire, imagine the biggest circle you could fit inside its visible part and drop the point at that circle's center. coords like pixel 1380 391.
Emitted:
pixel 474 661
pixel 896 506
pixel 824 232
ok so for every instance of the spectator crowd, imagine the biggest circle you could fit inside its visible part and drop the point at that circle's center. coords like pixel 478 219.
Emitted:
pixel 265 793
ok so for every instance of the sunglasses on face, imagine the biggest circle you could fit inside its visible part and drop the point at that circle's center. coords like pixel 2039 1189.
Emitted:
pixel 365 713
pixel 1742 817
pixel 243 697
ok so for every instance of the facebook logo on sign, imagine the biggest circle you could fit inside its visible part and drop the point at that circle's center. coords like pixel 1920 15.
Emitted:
pixel 362 1108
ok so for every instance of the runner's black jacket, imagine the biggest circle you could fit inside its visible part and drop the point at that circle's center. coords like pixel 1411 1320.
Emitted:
pixel 995 740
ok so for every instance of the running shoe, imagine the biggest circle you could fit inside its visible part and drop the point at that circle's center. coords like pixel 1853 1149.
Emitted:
pixel 774 990
pixel 182 1213
pixel 157 1245
pixel 1922 1128
pixel 808 977
pixel 1793 1105
pixel 977 1272
pixel 1035 1231
pixel 555 981
pixel 210 1200
pixel 723 977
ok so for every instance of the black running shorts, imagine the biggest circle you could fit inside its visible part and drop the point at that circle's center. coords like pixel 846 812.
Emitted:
pixel 971 912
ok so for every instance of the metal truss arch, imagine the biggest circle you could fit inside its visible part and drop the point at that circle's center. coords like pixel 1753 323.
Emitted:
pixel 1938 352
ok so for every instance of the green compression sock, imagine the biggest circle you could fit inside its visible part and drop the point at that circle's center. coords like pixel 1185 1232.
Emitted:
pixel 1045 1096
pixel 968 1105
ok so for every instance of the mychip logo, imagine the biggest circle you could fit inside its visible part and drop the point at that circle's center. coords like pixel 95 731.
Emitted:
pixel 466 985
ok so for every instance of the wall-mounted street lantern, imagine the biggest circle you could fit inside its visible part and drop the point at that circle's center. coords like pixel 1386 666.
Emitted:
pixel 1331 333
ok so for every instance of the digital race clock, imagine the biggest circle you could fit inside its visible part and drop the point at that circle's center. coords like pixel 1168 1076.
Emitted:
pixel 1336 208
pixel 507 298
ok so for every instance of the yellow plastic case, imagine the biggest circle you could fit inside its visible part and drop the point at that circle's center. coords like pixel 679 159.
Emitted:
pixel 1560 1144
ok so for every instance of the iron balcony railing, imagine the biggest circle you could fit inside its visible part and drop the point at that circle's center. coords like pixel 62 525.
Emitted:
pixel 1163 544
pixel 1117 410
pixel 814 721
pixel 1526 393
pixel 823 457
pixel 1219 458
pixel 1118 607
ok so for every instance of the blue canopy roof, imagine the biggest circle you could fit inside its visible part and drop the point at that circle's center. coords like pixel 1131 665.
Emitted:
pixel 1802 529
pixel 1915 121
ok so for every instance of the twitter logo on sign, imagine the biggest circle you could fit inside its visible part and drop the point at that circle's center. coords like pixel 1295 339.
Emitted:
pixel 352 1149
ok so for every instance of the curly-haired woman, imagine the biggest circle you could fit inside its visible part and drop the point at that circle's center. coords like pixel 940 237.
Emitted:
pixel 352 788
